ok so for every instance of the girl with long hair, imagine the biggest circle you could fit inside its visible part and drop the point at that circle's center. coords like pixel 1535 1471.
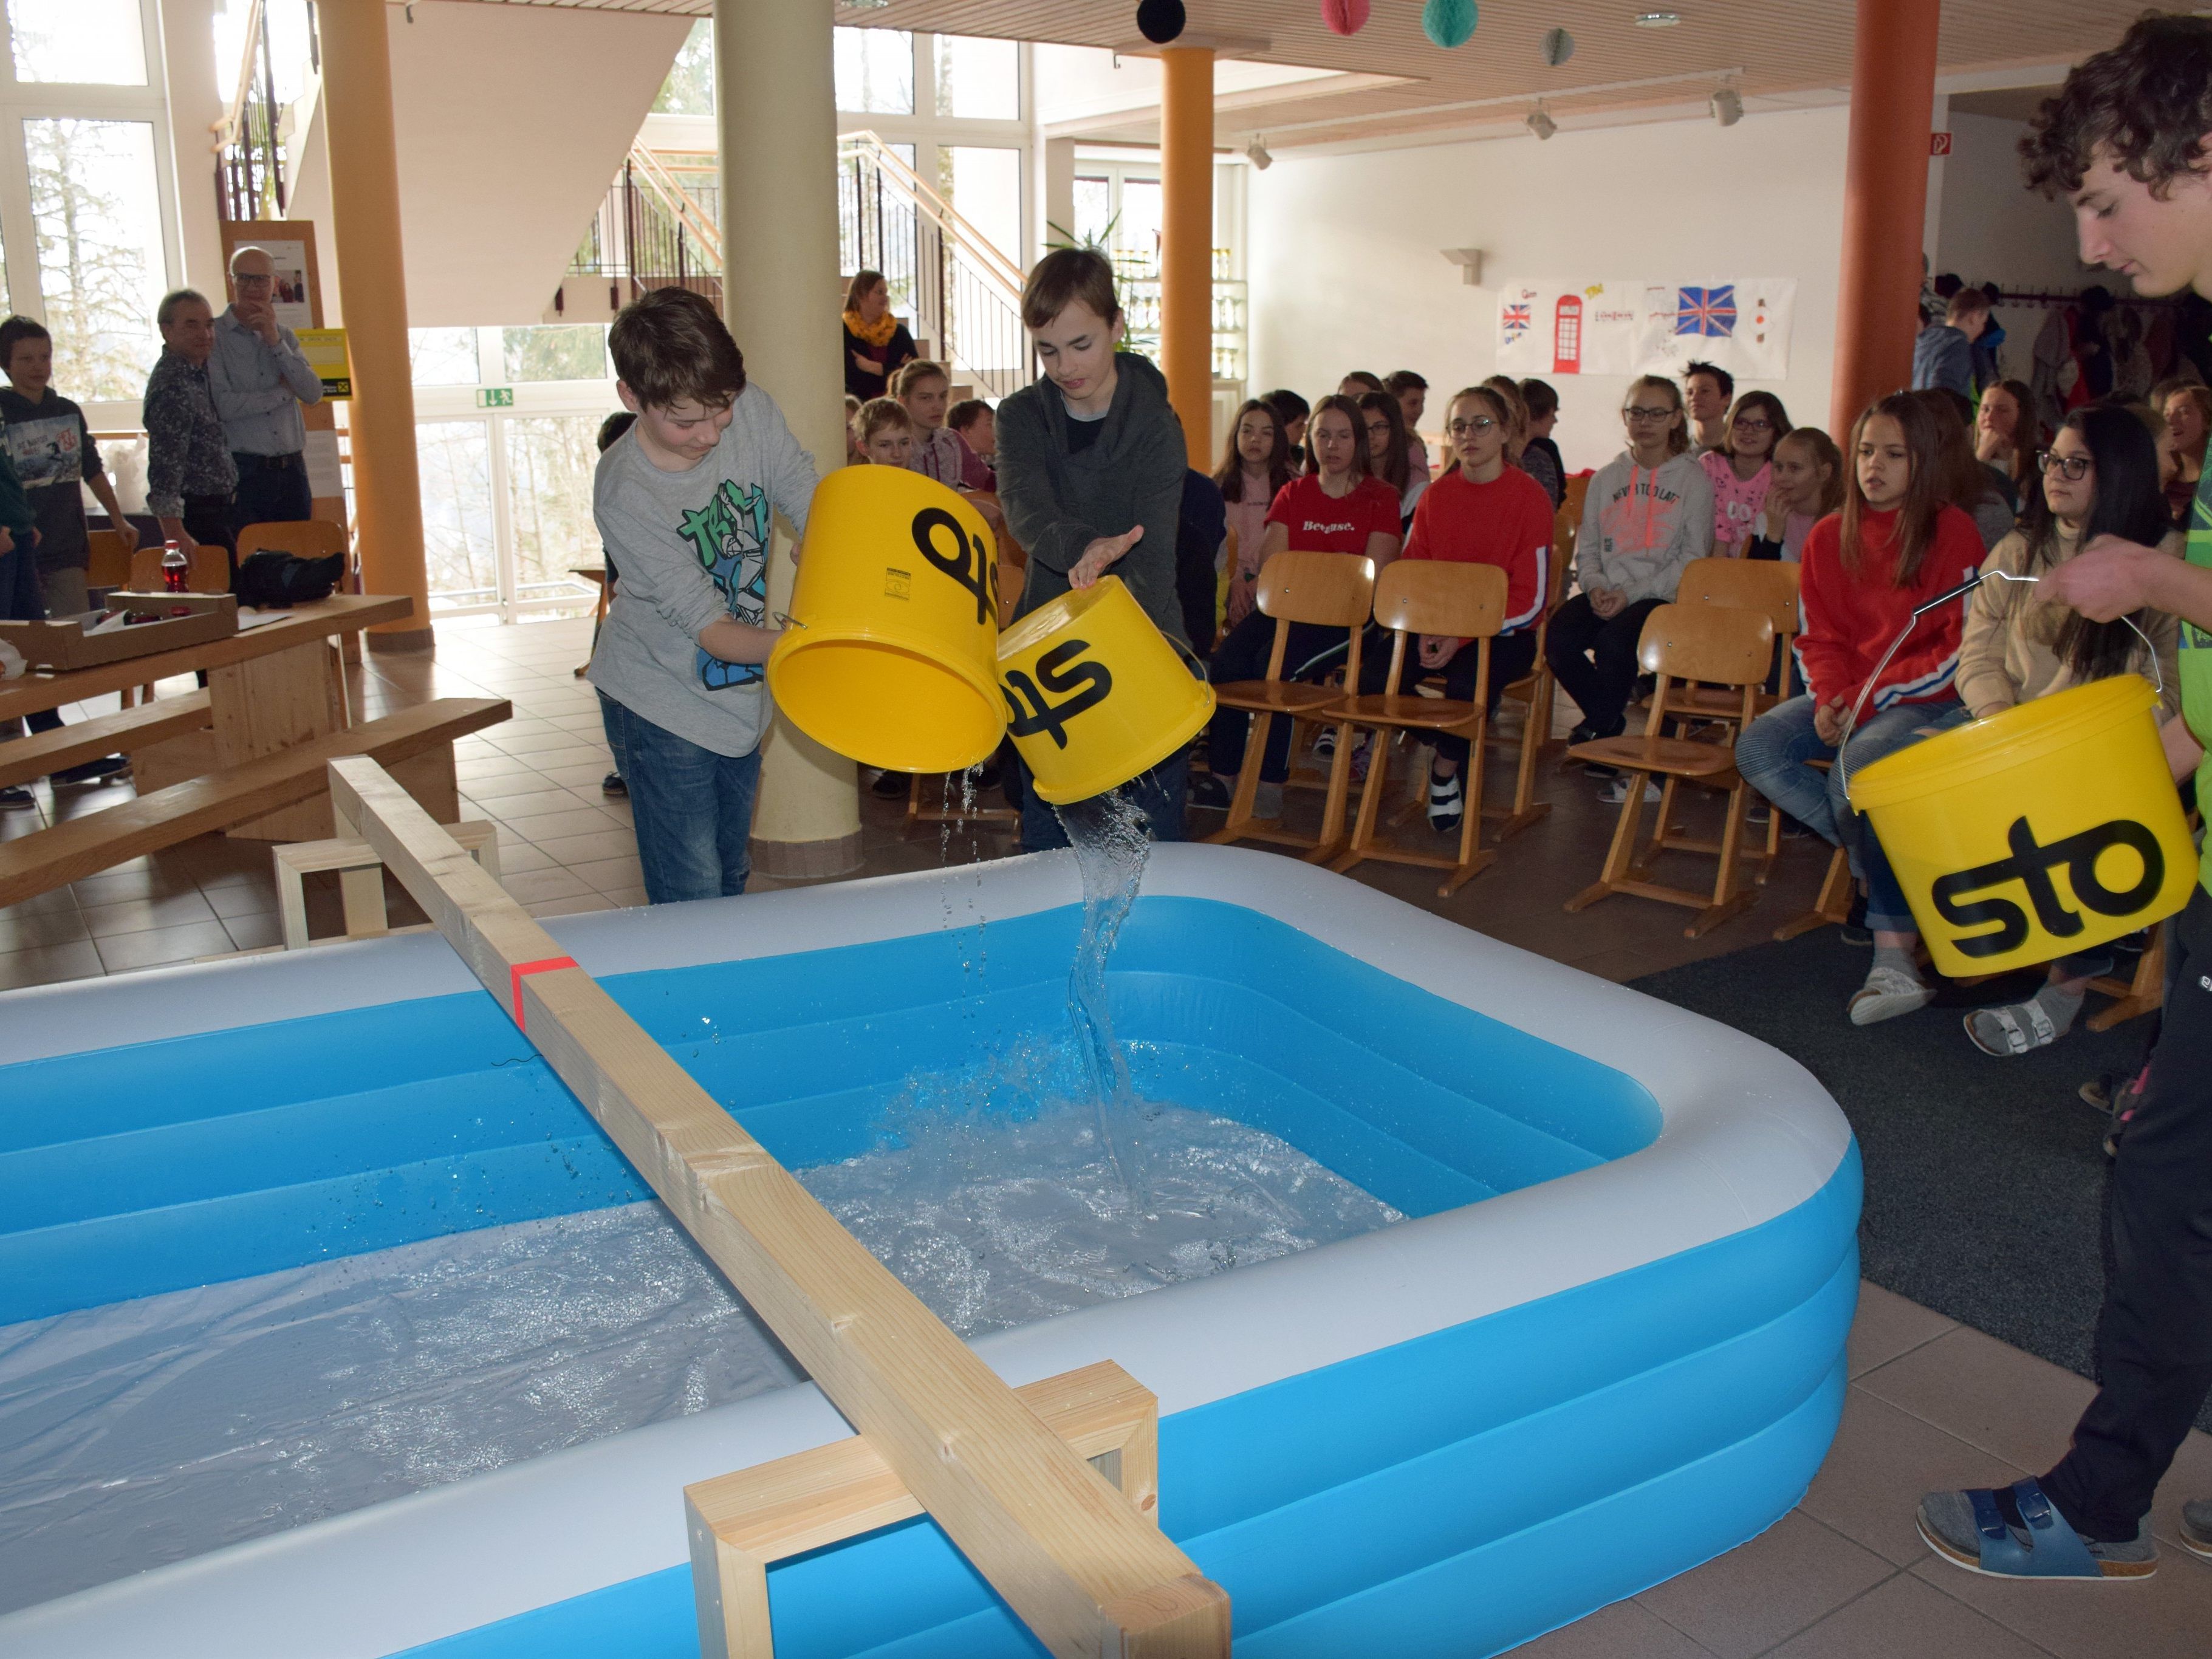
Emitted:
pixel 1741 470
pixel 2007 435
pixel 1383 420
pixel 2100 478
pixel 1964 482
pixel 1537 460
pixel 1255 465
pixel 1896 545
pixel 1808 485
pixel 876 344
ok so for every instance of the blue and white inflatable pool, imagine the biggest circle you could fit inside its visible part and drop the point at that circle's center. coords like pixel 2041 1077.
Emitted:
pixel 1607 1345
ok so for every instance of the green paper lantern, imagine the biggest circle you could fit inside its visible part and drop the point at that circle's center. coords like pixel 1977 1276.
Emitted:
pixel 1449 22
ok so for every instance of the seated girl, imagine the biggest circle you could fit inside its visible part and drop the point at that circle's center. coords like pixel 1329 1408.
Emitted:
pixel 1383 420
pixel 1896 545
pixel 940 453
pixel 1338 508
pixel 1255 466
pixel 2100 478
pixel 1807 485
pixel 1741 469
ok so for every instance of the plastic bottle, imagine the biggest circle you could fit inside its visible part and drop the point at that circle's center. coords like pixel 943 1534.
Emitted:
pixel 176 570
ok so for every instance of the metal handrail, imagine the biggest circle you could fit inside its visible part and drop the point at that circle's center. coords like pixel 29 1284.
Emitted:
pixel 677 202
pixel 970 240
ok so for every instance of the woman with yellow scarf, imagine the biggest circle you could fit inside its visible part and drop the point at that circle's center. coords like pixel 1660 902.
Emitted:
pixel 875 343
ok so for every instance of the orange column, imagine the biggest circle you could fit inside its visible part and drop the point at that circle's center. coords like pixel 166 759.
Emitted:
pixel 1187 243
pixel 364 159
pixel 1885 199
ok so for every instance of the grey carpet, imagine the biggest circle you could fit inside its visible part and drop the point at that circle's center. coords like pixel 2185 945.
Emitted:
pixel 1985 1178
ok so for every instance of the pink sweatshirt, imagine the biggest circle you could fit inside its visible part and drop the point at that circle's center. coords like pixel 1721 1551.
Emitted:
pixel 1738 503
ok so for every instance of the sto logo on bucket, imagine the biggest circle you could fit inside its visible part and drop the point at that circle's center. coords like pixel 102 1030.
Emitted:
pixel 1057 672
pixel 968 562
pixel 2031 864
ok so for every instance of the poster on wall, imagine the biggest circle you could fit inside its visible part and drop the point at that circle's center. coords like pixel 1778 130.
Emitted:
pixel 1549 328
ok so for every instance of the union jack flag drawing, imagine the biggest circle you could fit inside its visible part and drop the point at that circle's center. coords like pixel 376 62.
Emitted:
pixel 1706 310
pixel 1516 323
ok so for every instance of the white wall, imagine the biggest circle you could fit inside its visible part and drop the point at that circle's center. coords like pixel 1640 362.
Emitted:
pixel 1372 290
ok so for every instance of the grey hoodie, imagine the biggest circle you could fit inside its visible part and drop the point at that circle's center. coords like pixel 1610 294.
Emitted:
pixel 1058 503
pixel 1640 527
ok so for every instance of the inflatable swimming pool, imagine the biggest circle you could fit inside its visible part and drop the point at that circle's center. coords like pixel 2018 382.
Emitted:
pixel 1607 1343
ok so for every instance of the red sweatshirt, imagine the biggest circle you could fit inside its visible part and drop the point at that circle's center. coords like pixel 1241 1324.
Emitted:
pixel 1849 620
pixel 1506 522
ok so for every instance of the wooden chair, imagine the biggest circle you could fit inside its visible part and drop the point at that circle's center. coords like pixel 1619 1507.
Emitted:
pixel 109 564
pixel 207 569
pixel 2142 994
pixel 1538 690
pixel 1415 597
pixel 303 539
pixel 1327 590
pixel 949 809
pixel 1719 645
pixel 1768 584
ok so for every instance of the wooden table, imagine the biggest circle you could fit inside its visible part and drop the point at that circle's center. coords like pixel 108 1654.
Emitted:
pixel 270 688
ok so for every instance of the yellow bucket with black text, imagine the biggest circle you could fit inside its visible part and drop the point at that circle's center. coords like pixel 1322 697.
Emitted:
pixel 1095 693
pixel 890 656
pixel 2047 829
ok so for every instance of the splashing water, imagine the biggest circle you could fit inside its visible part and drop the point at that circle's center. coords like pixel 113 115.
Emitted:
pixel 1111 850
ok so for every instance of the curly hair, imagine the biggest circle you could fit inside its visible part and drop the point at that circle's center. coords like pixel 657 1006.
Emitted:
pixel 2147 102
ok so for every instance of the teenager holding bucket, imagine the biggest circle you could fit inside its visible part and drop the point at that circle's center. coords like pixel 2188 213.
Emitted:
pixel 1895 545
pixel 2126 143
pixel 2100 478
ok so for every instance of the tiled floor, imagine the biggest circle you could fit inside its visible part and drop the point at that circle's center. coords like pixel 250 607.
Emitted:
pixel 1931 1404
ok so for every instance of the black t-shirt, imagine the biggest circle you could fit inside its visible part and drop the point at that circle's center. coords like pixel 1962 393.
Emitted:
pixel 53 453
pixel 1082 433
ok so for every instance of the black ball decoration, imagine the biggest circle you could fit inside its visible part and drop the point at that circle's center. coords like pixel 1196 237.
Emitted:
pixel 1160 21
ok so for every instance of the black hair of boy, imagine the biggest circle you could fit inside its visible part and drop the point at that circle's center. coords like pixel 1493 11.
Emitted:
pixel 1722 378
pixel 613 427
pixel 1541 396
pixel 1400 381
pixel 669 346
pixel 15 331
pixel 965 413
pixel 1289 407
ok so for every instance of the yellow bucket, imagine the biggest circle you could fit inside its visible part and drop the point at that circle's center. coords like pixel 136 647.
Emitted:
pixel 1095 693
pixel 2048 829
pixel 891 654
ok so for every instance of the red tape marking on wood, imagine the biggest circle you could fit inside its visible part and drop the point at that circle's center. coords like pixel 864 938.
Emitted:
pixel 515 978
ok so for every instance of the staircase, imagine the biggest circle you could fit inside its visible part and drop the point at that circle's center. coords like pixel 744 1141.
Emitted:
pixel 659 226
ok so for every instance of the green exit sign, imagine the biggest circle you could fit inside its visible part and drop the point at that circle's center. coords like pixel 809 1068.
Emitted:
pixel 495 397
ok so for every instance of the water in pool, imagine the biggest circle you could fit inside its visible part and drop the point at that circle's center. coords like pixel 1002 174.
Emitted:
pixel 150 1431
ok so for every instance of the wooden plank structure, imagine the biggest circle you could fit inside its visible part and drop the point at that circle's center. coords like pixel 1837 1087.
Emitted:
pixel 1075 1560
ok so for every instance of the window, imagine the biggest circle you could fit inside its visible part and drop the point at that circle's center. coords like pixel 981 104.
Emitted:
pixel 1094 211
pixel 984 185
pixel 88 42
pixel 690 88
pixel 551 459
pixel 96 203
pixel 558 352
pixel 443 356
pixel 455 460
pixel 875 72
pixel 978 80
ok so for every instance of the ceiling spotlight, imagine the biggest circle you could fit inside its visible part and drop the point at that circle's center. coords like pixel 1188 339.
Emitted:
pixel 1727 105
pixel 1658 20
pixel 1257 154
pixel 1540 122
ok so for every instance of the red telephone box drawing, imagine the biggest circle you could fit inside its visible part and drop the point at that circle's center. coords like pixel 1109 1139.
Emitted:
pixel 1567 336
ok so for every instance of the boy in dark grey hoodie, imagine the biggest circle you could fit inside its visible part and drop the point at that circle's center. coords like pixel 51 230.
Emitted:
pixel 1091 461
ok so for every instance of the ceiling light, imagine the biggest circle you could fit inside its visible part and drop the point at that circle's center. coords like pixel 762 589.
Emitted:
pixel 1658 20
pixel 1257 154
pixel 1540 122
pixel 1727 105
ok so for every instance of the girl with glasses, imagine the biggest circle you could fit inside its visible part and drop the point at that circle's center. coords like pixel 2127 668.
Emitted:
pixel 2099 477
pixel 1740 470
pixel 1649 513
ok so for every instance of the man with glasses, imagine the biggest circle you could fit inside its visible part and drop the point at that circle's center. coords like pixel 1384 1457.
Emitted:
pixel 260 377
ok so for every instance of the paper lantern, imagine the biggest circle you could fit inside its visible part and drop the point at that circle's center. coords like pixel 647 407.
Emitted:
pixel 1558 46
pixel 1344 16
pixel 1449 22
pixel 1159 21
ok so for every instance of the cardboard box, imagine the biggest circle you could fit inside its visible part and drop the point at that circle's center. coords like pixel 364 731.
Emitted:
pixel 67 644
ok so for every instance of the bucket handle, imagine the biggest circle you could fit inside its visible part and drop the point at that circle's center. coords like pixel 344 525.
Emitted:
pixel 1851 724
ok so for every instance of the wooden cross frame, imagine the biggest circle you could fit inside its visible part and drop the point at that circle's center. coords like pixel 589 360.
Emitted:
pixel 1078 1564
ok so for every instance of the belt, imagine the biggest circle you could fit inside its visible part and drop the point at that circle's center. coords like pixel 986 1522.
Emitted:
pixel 279 463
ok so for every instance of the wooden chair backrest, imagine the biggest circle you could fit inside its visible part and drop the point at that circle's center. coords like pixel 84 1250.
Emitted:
pixel 303 539
pixel 1577 489
pixel 1768 584
pixel 1331 589
pixel 1439 596
pixel 1716 644
pixel 207 572
pixel 109 565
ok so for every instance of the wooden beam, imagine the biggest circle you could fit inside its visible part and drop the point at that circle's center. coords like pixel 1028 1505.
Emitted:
pixel 1085 1571
pixel 740 1524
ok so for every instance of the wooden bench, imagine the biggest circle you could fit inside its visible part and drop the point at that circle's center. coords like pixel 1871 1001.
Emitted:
pixel 22 759
pixel 54 857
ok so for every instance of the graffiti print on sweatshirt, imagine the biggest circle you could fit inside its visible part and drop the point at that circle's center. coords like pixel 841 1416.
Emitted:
pixel 729 537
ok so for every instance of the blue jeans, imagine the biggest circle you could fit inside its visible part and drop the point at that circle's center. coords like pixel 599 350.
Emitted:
pixel 1772 753
pixel 1160 795
pixel 692 808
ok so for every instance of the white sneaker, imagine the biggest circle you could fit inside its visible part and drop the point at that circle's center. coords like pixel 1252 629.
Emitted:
pixel 1616 792
pixel 1324 742
pixel 1447 803
pixel 1888 993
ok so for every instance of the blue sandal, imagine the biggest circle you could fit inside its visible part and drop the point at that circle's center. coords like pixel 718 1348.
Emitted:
pixel 2015 1531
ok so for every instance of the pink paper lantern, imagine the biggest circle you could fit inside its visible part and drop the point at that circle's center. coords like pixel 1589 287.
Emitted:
pixel 1344 16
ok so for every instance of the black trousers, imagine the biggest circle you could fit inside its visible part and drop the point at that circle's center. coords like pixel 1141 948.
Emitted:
pixel 1594 658
pixel 1511 655
pixel 1314 651
pixel 206 519
pixel 2155 1335
pixel 271 490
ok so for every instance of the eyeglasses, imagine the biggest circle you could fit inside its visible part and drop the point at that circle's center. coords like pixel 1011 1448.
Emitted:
pixel 1469 428
pixel 1633 413
pixel 1754 424
pixel 2072 468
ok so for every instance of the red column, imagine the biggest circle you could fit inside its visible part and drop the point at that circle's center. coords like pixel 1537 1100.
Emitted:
pixel 1884 200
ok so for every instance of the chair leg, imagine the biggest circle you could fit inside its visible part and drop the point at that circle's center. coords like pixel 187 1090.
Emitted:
pixel 2141 995
pixel 1833 904
pixel 1773 843
pixel 1370 805
pixel 1727 902
pixel 1526 810
pixel 1471 862
pixel 913 800
pixel 1660 829
pixel 1617 856
pixel 1247 782
pixel 1340 790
